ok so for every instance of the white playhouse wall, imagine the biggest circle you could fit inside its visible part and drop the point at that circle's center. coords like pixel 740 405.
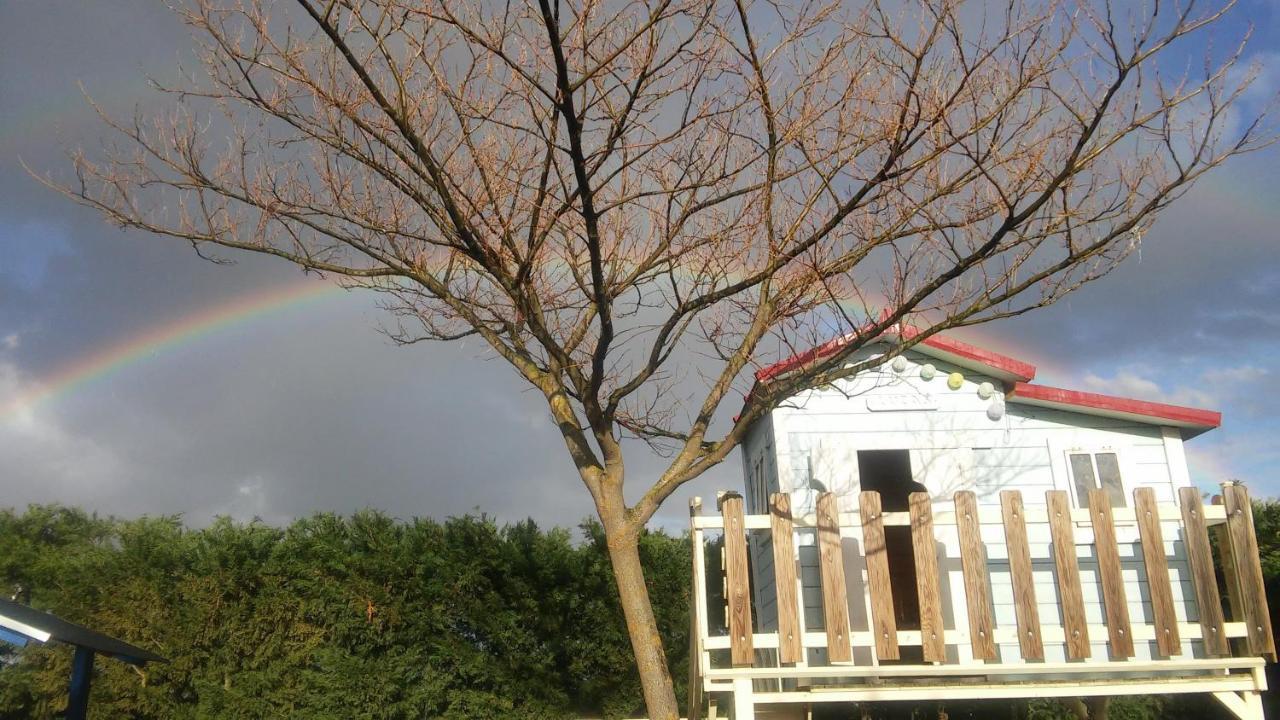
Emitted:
pixel 955 444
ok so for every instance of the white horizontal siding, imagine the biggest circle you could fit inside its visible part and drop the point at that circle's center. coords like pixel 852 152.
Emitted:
pixel 955 446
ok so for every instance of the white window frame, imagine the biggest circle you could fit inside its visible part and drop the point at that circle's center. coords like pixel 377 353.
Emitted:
pixel 1093 452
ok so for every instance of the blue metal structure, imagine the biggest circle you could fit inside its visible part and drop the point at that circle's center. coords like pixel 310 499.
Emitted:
pixel 21 624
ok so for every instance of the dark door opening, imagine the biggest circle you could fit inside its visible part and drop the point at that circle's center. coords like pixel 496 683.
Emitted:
pixel 888 472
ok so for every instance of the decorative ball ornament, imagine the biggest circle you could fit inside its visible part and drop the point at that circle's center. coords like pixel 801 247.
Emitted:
pixel 995 410
pixel 955 380
pixel 899 364
pixel 928 371
pixel 986 390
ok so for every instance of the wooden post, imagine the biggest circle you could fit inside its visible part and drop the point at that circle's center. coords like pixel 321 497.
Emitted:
pixel 1070 595
pixel 1200 557
pixel 744 700
pixel 1229 574
pixel 973 564
pixel 695 642
pixel 1113 598
pixel 883 624
pixel 1248 565
pixel 1157 565
pixel 737 582
pixel 932 631
pixel 1024 589
pixel 835 604
pixel 790 649
pixel 81 678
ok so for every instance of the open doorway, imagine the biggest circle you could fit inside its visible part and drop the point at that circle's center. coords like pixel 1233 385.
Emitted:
pixel 888 472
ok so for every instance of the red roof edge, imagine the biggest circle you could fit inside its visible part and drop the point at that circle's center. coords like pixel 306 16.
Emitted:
pixel 1017 369
pixel 1022 371
pixel 1183 415
pixel 798 360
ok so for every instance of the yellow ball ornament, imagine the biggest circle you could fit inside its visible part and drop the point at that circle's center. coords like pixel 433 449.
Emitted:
pixel 955 380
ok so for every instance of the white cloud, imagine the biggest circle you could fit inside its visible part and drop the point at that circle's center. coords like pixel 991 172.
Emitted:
pixel 249 501
pixel 44 460
pixel 11 341
pixel 1235 375
pixel 1211 388
pixel 1133 381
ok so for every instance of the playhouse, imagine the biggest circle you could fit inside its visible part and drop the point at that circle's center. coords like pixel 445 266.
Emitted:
pixel 940 527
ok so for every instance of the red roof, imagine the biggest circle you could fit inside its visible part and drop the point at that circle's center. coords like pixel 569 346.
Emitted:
pixel 959 353
pixel 1017 375
pixel 1111 406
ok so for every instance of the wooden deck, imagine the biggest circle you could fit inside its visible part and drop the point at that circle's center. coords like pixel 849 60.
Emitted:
pixel 959 650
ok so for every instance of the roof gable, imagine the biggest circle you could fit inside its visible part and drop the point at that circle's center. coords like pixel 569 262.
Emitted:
pixel 1016 375
pixel 941 347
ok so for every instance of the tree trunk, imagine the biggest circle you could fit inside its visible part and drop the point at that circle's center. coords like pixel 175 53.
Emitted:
pixel 1092 708
pixel 646 643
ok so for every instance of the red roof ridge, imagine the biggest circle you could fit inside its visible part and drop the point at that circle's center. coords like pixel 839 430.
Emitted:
pixel 1010 368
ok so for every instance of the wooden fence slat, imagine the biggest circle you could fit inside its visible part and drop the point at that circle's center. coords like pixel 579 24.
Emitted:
pixel 1070 594
pixel 835 604
pixel 1248 564
pixel 1229 575
pixel 1113 598
pixel 694 704
pixel 1024 590
pixel 784 572
pixel 1196 536
pixel 932 631
pixel 737 582
pixel 1153 558
pixel 973 565
pixel 883 623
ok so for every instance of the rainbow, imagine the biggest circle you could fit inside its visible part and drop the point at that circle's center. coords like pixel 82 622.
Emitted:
pixel 158 338
pixel 116 357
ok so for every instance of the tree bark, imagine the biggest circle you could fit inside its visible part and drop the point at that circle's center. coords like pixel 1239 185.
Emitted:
pixel 646 643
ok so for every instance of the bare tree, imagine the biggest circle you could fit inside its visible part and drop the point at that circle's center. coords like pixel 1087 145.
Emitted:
pixel 603 190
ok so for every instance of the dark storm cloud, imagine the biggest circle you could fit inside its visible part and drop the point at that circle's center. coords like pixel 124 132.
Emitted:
pixel 1206 283
pixel 311 409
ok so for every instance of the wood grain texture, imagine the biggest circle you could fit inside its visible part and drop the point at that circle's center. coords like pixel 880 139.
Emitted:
pixel 835 604
pixel 737 582
pixel 790 649
pixel 1157 567
pixel 1070 594
pixel 1116 607
pixel 1229 575
pixel 973 567
pixel 1248 564
pixel 883 624
pixel 1024 589
pixel 1195 534
pixel 932 630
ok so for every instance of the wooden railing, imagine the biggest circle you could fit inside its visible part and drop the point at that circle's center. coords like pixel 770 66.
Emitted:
pixel 947 541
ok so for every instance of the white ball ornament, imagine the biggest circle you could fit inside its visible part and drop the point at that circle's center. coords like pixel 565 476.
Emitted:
pixel 899 364
pixel 928 371
pixel 955 380
pixel 995 411
pixel 986 390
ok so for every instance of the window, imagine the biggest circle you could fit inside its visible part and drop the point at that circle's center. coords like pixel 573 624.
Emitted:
pixel 1094 471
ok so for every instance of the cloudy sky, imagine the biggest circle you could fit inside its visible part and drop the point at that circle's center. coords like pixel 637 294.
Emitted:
pixel 306 407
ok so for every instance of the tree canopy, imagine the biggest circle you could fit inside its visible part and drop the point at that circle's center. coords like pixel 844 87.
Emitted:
pixel 335 617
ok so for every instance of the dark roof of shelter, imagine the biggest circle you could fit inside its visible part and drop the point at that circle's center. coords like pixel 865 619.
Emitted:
pixel 71 633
